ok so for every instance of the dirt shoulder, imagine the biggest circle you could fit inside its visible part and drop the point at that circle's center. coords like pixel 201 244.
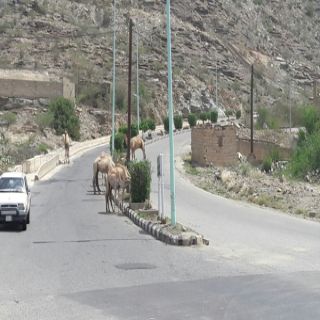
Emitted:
pixel 246 183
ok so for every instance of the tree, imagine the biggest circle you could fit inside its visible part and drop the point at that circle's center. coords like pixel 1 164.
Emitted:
pixel 64 117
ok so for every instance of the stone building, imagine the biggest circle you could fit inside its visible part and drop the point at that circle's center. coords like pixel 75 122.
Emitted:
pixel 219 144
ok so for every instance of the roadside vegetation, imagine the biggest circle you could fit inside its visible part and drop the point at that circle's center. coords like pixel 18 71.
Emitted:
pixel 306 158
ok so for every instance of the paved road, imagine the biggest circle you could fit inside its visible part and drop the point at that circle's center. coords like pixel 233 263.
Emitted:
pixel 77 262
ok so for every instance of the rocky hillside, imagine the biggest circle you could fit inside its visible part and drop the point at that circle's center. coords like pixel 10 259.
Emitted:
pixel 214 44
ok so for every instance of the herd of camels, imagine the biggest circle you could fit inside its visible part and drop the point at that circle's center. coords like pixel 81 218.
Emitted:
pixel 116 175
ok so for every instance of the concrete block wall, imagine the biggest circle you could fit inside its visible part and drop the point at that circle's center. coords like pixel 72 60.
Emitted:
pixel 30 89
pixel 216 145
pixel 262 149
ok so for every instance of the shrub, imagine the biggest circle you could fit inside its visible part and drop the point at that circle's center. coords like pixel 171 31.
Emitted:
pixel 44 120
pixel 140 172
pixel 311 119
pixel 275 154
pixel 166 124
pixel 266 164
pixel 229 113
pixel 43 148
pixel 9 117
pixel 306 157
pixel 121 95
pixel 262 117
pixel 203 116
pixel 301 137
pixel 134 130
pixel 151 124
pixel 214 116
pixel 178 121
pixel 64 117
pixel 192 119
pixel 119 142
pixel 144 126
pixel 147 124
pixel 238 114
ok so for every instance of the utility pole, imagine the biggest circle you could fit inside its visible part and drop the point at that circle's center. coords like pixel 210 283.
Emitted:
pixel 251 149
pixel 113 74
pixel 170 114
pixel 129 90
pixel 216 79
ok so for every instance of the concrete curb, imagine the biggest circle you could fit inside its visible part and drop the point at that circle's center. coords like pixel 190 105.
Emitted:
pixel 78 147
pixel 158 230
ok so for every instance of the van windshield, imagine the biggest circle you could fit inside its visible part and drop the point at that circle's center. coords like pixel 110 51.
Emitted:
pixel 10 184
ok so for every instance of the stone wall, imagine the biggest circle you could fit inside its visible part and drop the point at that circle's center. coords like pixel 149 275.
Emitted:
pixel 262 149
pixel 34 85
pixel 215 145
pixel 218 145
pixel 29 89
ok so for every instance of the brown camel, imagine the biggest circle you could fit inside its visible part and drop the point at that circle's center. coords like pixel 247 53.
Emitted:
pixel 118 178
pixel 137 143
pixel 103 164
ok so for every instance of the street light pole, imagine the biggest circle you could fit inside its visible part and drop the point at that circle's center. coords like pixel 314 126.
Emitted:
pixel 216 80
pixel 113 74
pixel 170 111
pixel 138 93
pixel 129 90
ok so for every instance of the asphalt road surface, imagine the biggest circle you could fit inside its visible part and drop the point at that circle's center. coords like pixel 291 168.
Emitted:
pixel 77 262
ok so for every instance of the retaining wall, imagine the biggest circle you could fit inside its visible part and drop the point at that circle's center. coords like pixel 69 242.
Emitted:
pixel 218 145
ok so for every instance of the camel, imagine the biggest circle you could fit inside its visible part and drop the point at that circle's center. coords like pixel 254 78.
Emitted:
pixel 137 143
pixel 66 143
pixel 102 164
pixel 117 178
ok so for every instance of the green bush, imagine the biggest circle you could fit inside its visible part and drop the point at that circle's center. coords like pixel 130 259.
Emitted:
pixel 119 142
pixel 238 114
pixel 306 157
pixel 192 119
pixel 9 117
pixel 263 116
pixel 311 119
pixel 266 164
pixel 275 154
pixel 229 113
pixel 301 137
pixel 64 117
pixel 144 126
pixel 44 120
pixel 166 124
pixel 178 121
pixel 43 148
pixel 140 172
pixel 147 124
pixel 214 116
pixel 134 130
pixel 121 95
pixel 203 116
pixel 151 124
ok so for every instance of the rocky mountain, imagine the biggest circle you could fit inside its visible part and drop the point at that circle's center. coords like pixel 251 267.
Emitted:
pixel 214 44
